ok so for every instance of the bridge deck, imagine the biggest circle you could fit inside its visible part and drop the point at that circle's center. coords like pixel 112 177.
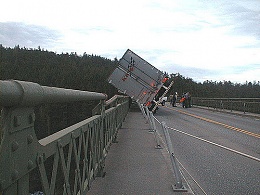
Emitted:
pixel 133 165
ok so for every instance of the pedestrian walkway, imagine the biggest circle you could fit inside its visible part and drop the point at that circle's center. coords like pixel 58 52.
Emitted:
pixel 134 165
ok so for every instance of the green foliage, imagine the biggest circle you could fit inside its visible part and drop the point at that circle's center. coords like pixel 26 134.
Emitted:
pixel 90 73
pixel 210 89
pixel 87 72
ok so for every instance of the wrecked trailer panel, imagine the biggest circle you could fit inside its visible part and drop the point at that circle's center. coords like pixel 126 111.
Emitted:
pixel 131 86
pixel 140 80
pixel 141 69
pixel 137 78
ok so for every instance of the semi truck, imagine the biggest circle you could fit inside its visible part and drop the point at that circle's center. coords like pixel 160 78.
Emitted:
pixel 140 80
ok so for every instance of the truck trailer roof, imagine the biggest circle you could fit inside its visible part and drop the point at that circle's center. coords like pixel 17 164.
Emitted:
pixel 137 78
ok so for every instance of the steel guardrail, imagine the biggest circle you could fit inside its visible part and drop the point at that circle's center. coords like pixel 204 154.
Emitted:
pixel 178 186
pixel 65 162
pixel 251 105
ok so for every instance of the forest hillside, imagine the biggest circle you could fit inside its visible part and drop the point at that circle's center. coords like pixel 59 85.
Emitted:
pixel 90 72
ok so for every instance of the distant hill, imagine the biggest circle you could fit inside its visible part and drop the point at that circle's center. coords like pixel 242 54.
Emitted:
pixel 90 72
pixel 86 72
pixel 213 89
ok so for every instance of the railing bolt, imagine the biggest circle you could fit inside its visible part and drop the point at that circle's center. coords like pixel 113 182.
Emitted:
pixel 31 118
pixel 15 146
pixel 73 135
pixel 40 159
pixel 30 164
pixel 2 185
pixel 68 187
pixel 14 175
pixel 29 139
pixel 17 121
pixel 60 144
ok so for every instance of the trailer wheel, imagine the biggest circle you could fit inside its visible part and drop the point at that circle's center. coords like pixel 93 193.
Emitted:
pixel 163 102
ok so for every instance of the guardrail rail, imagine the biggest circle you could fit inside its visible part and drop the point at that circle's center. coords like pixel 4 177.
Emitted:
pixel 251 105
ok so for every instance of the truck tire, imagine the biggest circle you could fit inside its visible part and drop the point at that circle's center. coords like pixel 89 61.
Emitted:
pixel 163 102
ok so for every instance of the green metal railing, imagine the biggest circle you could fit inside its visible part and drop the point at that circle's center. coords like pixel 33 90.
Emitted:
pixel 251 105
pixel 65 162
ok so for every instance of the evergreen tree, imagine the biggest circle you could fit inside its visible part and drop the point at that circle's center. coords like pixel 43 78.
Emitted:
pixel 90 73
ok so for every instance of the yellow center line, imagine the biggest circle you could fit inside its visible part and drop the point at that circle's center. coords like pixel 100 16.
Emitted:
pixel 218 123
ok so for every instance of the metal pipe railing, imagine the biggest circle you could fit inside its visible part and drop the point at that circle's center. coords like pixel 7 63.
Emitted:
pixel 178 186
pixel 150 118
pixel 23 93
pixel 112 102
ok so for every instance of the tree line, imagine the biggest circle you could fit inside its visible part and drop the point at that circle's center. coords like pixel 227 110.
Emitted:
pixel 90 72
pixel 86 72
pixel 72 71
pixel 214 89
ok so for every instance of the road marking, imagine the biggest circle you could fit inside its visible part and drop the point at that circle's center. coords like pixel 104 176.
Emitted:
pixel 210 142
pixel 215 144
pixel 218 123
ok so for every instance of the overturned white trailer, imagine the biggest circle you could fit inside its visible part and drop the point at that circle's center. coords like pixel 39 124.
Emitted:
pixel 140 80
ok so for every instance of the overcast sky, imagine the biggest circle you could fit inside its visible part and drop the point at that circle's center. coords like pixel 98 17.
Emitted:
pixel 201 39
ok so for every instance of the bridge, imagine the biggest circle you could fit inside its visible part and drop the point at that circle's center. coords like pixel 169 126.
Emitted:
pixel 211 148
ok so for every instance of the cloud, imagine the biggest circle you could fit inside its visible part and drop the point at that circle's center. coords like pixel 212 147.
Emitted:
pixel 240 74
pixel 197 74
pixel 30 36
pixel 211 40
pixel 242 16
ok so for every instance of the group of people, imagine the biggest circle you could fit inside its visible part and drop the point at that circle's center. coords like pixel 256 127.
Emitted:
pixel 185 100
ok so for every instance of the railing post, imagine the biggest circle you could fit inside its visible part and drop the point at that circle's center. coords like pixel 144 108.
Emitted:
pixel 222 105
pixel 17 151
pixel 149 118
pixel 178 187
pixel 142 110
pixel 150 115
pixel 101 139
pixel 117 125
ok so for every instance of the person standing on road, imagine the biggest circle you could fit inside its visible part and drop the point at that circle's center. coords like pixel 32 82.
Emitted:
pixel 182 100
pixel 187 100
pixel 174 99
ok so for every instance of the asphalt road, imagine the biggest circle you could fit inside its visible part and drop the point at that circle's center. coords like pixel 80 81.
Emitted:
pixel 216 170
